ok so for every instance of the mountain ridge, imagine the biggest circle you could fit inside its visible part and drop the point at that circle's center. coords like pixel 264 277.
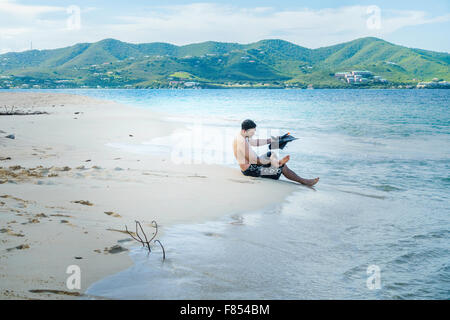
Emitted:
pixel 114 63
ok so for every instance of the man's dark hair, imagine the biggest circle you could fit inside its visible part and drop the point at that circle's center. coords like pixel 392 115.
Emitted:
pixel 248 124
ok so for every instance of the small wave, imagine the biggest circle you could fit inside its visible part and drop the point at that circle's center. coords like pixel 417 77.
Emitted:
pixel 387 188
pixel 364 195
pixel 433 235
pixel 417 256
pixel 446 180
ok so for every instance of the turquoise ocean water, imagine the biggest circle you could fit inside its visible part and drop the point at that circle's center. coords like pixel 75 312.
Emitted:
pixel 383 199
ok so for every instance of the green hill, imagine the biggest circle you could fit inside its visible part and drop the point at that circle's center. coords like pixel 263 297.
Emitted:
pixel 266 63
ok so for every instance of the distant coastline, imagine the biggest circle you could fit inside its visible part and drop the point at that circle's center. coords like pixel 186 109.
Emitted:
pixel 366 63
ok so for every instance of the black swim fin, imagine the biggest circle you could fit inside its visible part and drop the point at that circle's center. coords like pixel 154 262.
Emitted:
pixel 282 142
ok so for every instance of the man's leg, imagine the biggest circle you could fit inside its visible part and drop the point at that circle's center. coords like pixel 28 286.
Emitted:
pixel 291 175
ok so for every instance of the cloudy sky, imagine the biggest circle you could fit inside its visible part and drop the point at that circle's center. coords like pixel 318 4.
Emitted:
pixel 59 23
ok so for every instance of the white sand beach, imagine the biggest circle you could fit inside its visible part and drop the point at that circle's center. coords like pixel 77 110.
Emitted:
pixel 65 196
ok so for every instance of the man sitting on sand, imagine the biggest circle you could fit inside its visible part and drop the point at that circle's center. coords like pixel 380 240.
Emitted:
pixel 266 166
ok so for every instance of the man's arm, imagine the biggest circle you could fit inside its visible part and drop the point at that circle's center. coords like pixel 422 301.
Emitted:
pixel 259 142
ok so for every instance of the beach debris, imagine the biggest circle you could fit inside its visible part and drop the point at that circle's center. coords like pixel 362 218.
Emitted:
pixel 20 247
pixel 60 215
pixel 115 249
pixel 113 214
pixel 67 293
pixel 10 136
pixel 10 112
pixel 124 240
pixel 147 242
pixel 65 168
pixel 8 231
pixel 41 215
pixel 164 251
pixel 18 173
pixel 121 231
pixel 84 202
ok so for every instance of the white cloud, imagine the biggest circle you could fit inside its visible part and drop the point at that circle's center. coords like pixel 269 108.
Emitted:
pixel 197 22
pixel 10 33
pixel 181 24
pixel 16 9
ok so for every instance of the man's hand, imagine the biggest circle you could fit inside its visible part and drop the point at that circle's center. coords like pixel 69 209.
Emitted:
pixel 274 139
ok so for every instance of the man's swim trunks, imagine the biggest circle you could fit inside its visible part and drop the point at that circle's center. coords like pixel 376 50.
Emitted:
pixel 263 171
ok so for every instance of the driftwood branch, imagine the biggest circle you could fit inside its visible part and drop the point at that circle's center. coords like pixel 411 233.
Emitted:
pixel 146 242
pixel 10 112
pixel 164 251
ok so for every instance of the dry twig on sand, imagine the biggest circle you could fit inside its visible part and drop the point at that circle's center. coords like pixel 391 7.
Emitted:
pixel 146 242
pixel 11 112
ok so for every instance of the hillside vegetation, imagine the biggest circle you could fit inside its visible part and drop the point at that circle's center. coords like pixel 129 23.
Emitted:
pixel 266 63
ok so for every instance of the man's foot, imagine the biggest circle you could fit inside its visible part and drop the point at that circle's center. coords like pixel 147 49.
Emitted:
pixel 284 160
pixel 310 182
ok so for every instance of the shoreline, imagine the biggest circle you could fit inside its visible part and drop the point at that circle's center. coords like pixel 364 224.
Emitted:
pixel 227 88
pixel 65 194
